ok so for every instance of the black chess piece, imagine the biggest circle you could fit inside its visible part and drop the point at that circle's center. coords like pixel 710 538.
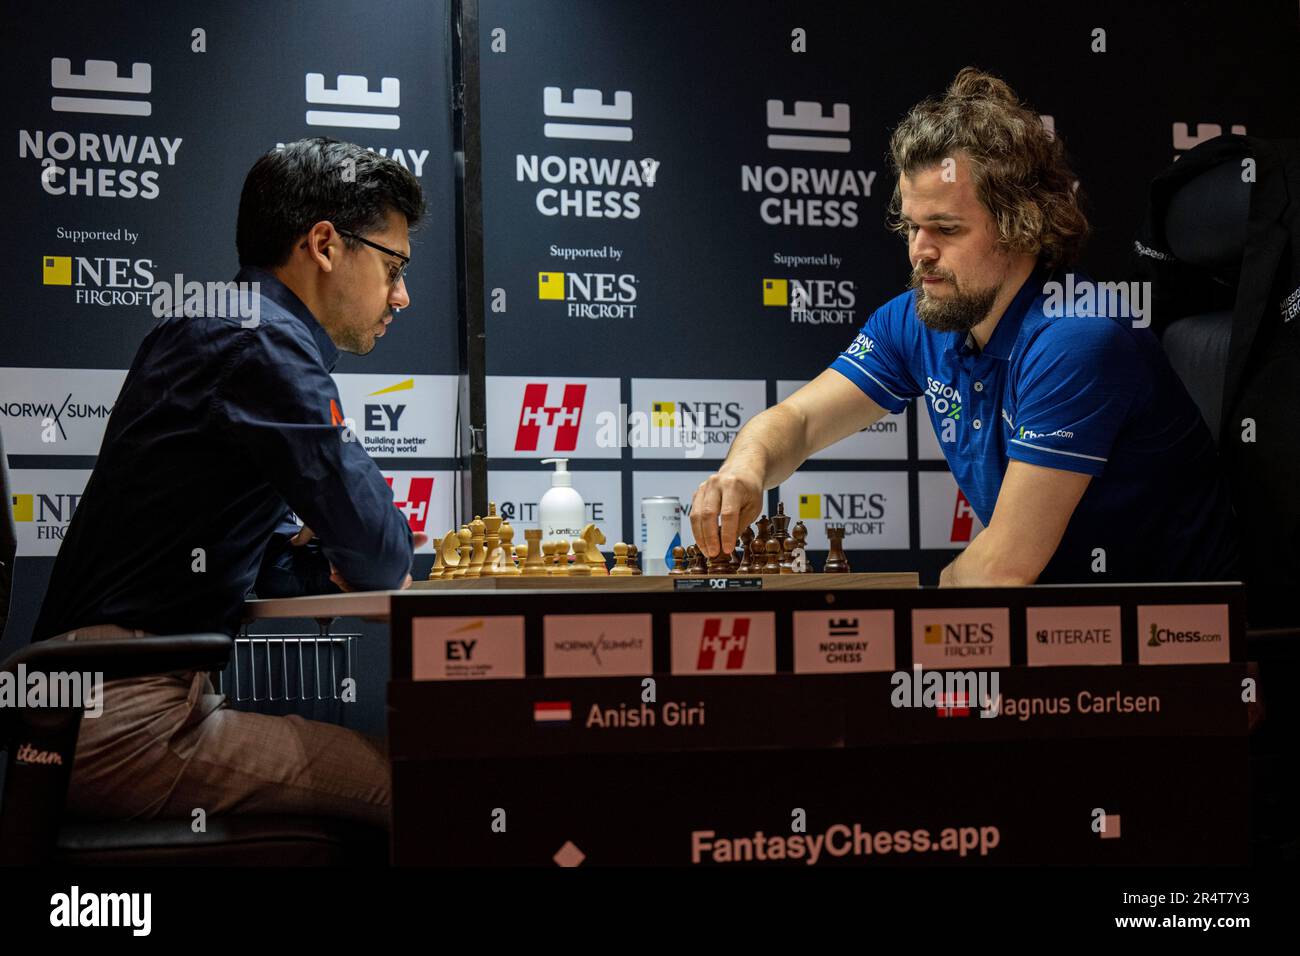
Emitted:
pixel 679 561
pixel 780 524
pixel 746 552
pixel 634 559
pixel 837 562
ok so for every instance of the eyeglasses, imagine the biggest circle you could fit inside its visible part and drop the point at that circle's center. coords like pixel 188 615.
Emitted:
pixel 393 276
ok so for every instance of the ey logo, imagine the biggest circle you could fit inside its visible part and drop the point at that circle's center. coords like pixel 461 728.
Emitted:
pixel 663 414
pixel 810 507
pixel 56 270
pixel 550 285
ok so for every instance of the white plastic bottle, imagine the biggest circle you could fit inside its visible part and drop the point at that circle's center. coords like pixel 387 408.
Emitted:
pixel 561 512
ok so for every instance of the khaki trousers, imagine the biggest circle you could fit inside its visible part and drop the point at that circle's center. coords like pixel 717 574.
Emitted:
pixel 168 745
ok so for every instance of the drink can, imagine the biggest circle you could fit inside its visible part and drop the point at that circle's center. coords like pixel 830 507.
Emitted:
pixel 661 531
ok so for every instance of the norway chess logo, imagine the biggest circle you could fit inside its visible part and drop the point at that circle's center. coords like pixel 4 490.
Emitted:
pixel 354 90
pixel 808 117
pixel 419 495
pixel 588 105
pixel 101 76
pixel 720 651
pixel 562 420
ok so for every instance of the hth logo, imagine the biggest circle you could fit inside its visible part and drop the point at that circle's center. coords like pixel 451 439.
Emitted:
pixel 714 643
pixel 535 414
pixel 808 117
pixel 587 105
pixel 963 518
pixel 419 494
pixel 354 91
pixel 100 77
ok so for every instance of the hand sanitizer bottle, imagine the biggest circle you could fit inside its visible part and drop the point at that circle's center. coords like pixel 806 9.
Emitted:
pixel 561 512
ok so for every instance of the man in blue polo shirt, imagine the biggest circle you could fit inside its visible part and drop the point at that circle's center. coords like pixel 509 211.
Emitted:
pixel 1063 423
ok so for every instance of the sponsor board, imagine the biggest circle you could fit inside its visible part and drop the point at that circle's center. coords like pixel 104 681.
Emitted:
pixel 947 518
pixel 425 497
pixel 517 493
pixel 57 411
pixel 546 417
pixel 467 648
pixel 827 642
pixel 1182 633
pixel 699 415
pixel 976 637
pixel 724 644
pixel 871 507
pixel 886 439
pixel 401 416
pixel 1073 635
pixel 605 645
pixel 43 502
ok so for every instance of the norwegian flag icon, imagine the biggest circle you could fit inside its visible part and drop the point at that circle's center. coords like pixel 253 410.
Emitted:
pixel 953 705
pixel 535 414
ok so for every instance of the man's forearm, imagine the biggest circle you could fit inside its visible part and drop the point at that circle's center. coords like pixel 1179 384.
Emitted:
pixel 981 565
pixel 770 446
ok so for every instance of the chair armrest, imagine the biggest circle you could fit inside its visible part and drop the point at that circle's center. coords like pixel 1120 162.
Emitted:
pixel 122 657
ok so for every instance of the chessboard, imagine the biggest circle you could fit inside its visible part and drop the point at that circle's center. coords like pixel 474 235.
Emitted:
pixel 482 554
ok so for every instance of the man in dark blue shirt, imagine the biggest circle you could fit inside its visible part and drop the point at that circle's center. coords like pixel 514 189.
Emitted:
pixel 224 423
pixel 1060 417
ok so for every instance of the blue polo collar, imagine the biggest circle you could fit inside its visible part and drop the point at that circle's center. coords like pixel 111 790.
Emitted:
pixel 1007 331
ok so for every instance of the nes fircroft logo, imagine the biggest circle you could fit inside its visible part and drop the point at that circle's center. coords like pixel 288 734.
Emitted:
pixel 813 301
pixel 591 187
pixel 808 196
pixel 590 295
pixel 354 90
pixel 808 118
pixel 101 76
pixel 563 419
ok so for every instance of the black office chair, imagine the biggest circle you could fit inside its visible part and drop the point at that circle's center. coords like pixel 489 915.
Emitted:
pixel 42 743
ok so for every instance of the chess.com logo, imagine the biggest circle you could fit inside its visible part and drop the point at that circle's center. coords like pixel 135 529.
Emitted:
pixel 96 159
pixel 419 497
pixel 589 187
pixel 813 301
pixel 723 652
pixel 803 195
pixel 590 295
pixel 562 420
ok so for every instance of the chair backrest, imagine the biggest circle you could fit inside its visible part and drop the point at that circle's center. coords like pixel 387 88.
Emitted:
pixel 1204 226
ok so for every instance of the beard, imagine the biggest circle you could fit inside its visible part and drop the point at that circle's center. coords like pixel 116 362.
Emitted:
pixel 960 311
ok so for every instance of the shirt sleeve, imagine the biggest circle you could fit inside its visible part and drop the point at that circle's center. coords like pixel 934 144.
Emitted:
pixel 879 359
pixel 1075 389
pixel 282 408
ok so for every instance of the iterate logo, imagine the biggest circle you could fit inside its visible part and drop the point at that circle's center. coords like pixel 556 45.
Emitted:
pixel 590 295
